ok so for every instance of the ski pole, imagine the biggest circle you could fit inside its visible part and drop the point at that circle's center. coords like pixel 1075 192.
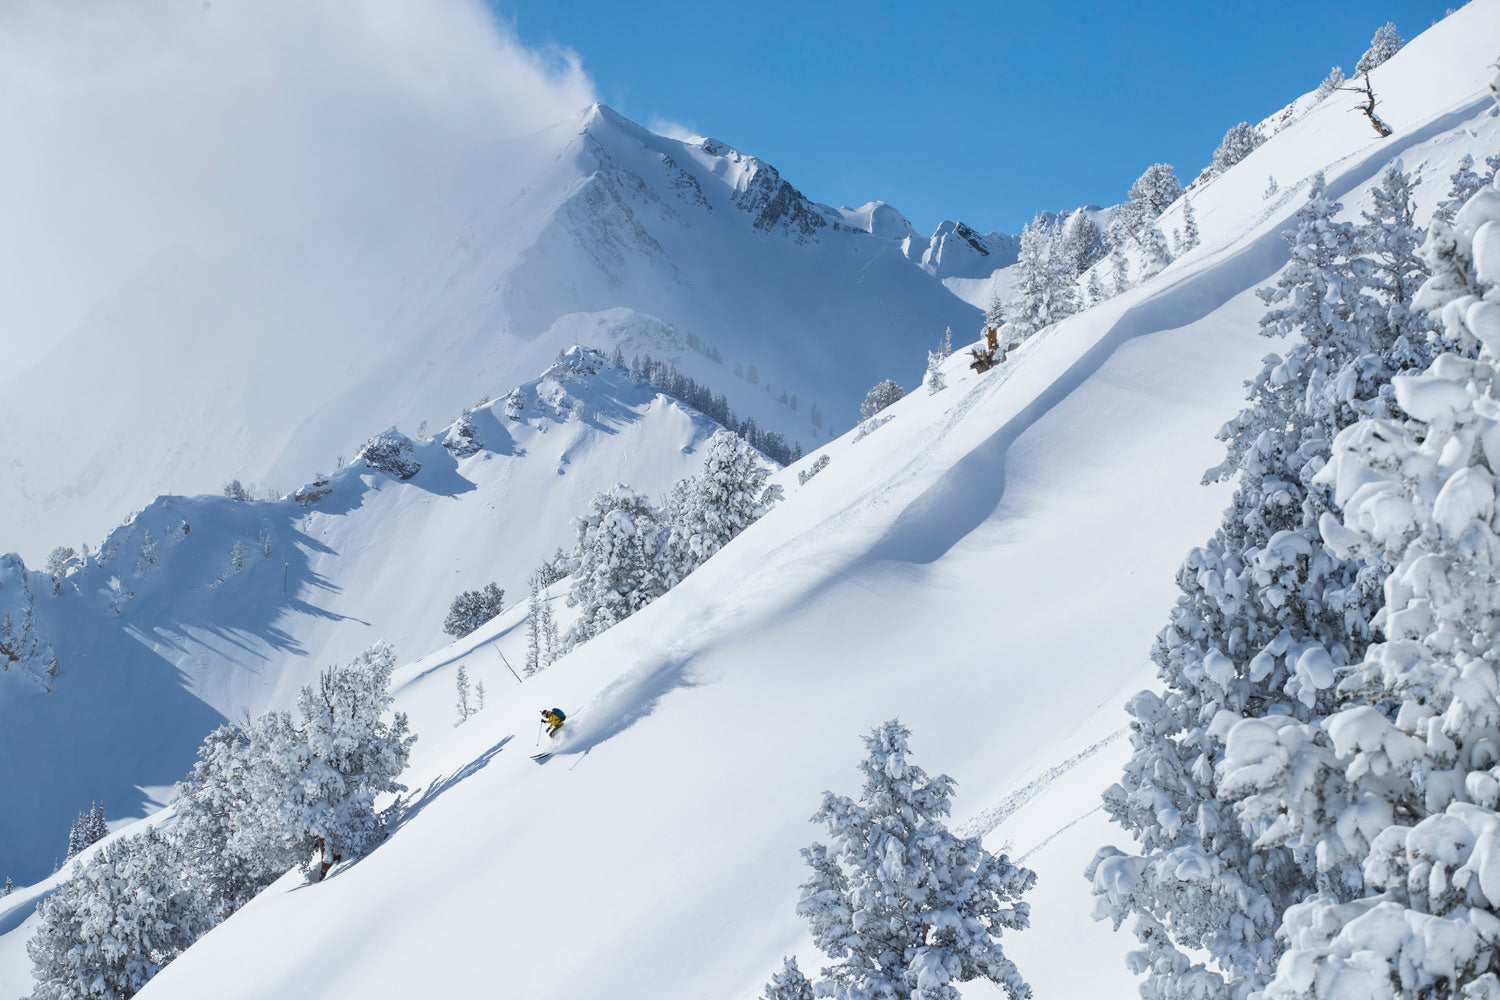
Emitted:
pixel 539 733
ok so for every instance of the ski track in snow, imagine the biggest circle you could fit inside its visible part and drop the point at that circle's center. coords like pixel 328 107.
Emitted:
pixel 1058 833
pixel 988 820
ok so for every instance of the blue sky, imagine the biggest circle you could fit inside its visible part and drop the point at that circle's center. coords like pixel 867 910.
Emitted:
pixel 986 112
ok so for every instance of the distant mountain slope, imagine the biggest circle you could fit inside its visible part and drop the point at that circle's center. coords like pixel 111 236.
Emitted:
pixel 274 357
pixel 231 606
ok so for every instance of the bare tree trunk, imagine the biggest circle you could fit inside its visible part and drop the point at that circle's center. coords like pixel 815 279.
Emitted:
pixel 1381 128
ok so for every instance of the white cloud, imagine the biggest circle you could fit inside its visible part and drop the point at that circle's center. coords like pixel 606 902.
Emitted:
pixel 675 130
pixel 135 131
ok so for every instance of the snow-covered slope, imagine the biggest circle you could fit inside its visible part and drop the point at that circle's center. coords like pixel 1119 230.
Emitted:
pixel 129 663
pixel 990 565
pixel 281 353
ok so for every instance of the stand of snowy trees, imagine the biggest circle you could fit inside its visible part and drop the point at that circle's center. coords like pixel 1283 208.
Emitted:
pixel 291 789
pixel 1315 792
pixel 666 379
pixel 905 908
pixel 628 552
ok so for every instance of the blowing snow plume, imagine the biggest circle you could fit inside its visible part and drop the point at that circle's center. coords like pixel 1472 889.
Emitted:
pixel 199 188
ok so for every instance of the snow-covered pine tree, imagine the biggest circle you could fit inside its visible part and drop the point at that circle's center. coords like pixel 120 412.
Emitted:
pixel 620 562
pixel 904 907
pixel 321 772
pixel 1094 288
pixel 226 852
pixel 881 395
pixel 461 682
pixel 1333 81
pixel 1402 779
pixel 115 924
pixel 1119 264
pixel 994 315
pixel 1238 143
pixel 533 628
pixel 472 608
pixel 1080 246
pixel 1041 295
pixel 1155 190
pixel 1386 43
pixel 8 888
pixel 721 500
pixel 235 490
pixel 944 351
pixel 788 984
pixel 1190 237
pixel 479 696
pixel 1391 239
pixel 77 836
pixel 87 829
pixel 1463 183
pixel 1267 615
pixel 934 379
pixel 551 643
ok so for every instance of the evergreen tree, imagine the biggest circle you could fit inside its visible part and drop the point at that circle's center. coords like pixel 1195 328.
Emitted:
pixel 789 984
pixel 1094 289
pixel 319 773
pixel 235 490
pixel 116 923
pixel 1463 183
pixel 462 683
pixel 619 563
pixel 1155 190
pixel 534 629
pixel 9 887
pixel 707 510
pixel 1081 245
pixel 472 608
pixel 1386 43
pixel 880 396
pixel 88 829
pixel 1041 294
pixel 479 695
pixel 1399 779
pixel 1390 238
pixel 1190 237
pixel 1267 616
pixel 994 316
pixel 1119 266
pixel 904 907
pixel 1333 81
pixel 934 379
pixel 1238 143
pixel 228 855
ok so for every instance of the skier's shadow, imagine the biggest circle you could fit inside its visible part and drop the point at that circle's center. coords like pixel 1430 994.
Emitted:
pixel 440 785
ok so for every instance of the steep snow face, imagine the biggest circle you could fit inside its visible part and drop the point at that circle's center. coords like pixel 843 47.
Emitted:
pixel 990 564
pixel 598 226
pixel 202 608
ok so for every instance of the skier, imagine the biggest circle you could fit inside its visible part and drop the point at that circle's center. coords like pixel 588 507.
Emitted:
pixel 554 718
